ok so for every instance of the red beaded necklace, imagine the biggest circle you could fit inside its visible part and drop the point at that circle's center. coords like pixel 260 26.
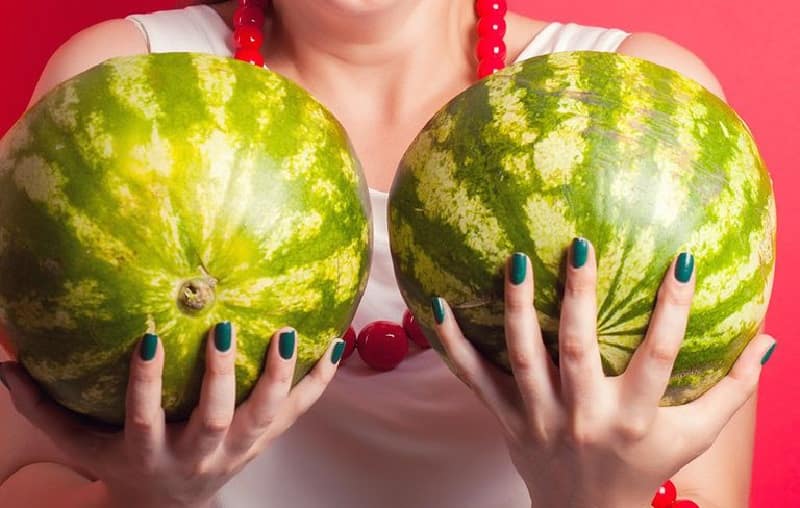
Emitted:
pixel 381 344
pixel 384 344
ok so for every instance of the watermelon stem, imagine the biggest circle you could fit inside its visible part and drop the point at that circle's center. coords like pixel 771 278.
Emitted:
pixel 197 295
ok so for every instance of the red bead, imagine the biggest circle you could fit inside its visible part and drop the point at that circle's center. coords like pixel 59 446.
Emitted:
pixel 665 496
pixel 413 330
pixel 248 36
pixel 684 503
pixel 487 8
pixel 261 4
pixel 251 55
pixel 492 26
pixel 491 46
pixel 243 16
pixel 382 345
pixel 349 343
pixel 489 66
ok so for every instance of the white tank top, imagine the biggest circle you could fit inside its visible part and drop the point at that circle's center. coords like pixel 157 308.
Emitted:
pixel 412 437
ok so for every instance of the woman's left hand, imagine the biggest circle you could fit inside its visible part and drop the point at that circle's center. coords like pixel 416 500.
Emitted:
pixel 581 439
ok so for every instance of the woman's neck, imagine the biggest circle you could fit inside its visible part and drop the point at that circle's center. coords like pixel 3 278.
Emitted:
pixel 388 56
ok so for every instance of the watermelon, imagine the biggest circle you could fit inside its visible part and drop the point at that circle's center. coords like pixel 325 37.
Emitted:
pixel 641 161
pixel 166 193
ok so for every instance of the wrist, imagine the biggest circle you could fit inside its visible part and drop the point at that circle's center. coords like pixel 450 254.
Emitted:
pixel 119 499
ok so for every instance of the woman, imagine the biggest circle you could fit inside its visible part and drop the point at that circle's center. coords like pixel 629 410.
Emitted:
pixel 415 436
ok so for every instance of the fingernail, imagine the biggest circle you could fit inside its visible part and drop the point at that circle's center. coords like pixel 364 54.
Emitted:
pixel 438 309
pixel 580 251
pixel 286 344
pixel 148 348
pixel 222 336
pixel 3 378
pixel 519 266
pixel 768 353
pixel 684 267
pixel 338 351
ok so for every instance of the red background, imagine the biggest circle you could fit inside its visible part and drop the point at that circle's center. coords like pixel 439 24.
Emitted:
pixel 754 50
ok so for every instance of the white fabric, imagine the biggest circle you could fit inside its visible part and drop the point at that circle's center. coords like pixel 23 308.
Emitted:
pixel 413 437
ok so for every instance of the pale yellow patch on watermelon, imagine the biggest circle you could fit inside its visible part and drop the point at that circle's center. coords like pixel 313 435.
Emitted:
pixel 85 298
pixel 17 138
pixel 217 83
pixel 287 227
pixel 558 155
pixel 722 284
pixel 445 199
pixel 433 277
pixel 670 187
pixel 33 314
pixel 95 140
pixel 39 180
pixel 443 127
pixel 156 156
pixel 518 164
pixel 300 164
pixel 250 366
pixel 129 84
pixel 62 106
pixel 510 114
pixel 549 227
pixel 218 155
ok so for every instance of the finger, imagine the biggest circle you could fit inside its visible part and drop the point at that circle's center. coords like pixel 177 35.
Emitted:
pixel 144 417
pixel 648 372
pixel 529 360
pixel 212 417
pixel 61 426
pixel 579 355
pixel 312 386
pixel 256 414
pixel 493 387
pixel 704 418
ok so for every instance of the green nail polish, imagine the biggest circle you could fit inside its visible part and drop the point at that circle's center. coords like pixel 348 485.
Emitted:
pixel 148 348
pixel 519 265
pixel 286 344
pixel 338 351
pixel 768 353
pixel 222 336
pixel 438 309
pixel 684 267
pixel 580 251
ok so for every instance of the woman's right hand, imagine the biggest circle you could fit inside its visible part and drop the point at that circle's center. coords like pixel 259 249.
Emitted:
pixel 152 463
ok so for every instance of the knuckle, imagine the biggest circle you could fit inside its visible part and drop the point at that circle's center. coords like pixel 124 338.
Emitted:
pixel 581 435
pixel 571 349
pixel 139 423
pixel 661 353
pixel 675 295
pixel 580 284
pixel 221 367
pixel 144 376
pixel 521 362
pixel 517 302
pixel 215 424
pixel 633 428
pixel 279 376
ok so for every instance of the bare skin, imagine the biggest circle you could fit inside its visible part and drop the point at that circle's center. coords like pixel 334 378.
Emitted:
pixel 383 81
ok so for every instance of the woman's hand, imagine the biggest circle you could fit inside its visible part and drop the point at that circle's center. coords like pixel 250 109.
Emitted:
pixel 151 463
pixel 580 439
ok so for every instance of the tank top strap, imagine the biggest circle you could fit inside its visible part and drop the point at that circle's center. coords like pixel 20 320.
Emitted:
pixel 557 37
pixel 196 28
